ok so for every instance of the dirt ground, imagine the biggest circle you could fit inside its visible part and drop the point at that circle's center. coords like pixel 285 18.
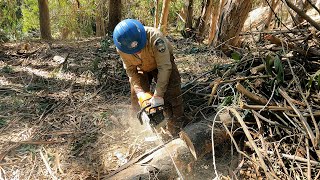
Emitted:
pixel 64 110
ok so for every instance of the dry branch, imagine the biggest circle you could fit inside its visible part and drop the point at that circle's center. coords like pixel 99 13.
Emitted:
pixel 251 96
pixel 303 14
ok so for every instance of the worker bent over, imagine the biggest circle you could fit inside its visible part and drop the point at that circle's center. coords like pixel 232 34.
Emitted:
pixel 147 55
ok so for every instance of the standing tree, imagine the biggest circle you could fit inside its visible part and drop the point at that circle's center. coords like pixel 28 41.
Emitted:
pixel 114 14
pixel 44 20
pixel 214 20
pixel 206 11
pixel 233 14
pixel 100 22
pixel 156 13
pixel 164 16
pixel 189 14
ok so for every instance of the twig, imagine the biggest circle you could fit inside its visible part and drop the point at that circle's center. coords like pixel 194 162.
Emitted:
pixel 260 107
pixel 241 79
pixel 47 166
pixel 297 158
pixel 251 96
pixel 267 120
pixel 251 141
pixel 302 14
pixel 314 141
pixel 308 159
pixel 280 160
pixel 303 120
pixel 37 142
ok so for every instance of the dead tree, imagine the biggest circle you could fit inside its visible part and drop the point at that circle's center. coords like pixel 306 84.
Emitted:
pixel 187 15
pixel 44 17
pixel 164 16
pixel 233 14
pixel 206 11
pixel 214 19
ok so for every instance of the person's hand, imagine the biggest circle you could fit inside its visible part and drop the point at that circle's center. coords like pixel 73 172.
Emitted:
pixel 156 101
pixel 143 98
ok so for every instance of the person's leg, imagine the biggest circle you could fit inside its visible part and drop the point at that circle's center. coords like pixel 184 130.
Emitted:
pixel 144 80
pixel 173 102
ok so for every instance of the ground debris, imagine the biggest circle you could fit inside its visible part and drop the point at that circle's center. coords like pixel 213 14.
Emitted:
pixel 272 91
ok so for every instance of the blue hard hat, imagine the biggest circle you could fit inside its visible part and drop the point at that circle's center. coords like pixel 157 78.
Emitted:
pixel 129 36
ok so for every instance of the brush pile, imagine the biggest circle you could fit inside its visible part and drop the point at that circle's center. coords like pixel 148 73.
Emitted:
pixel 271 91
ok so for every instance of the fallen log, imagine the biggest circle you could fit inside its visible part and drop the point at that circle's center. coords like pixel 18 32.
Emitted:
pixel 198 136
pixel 168 161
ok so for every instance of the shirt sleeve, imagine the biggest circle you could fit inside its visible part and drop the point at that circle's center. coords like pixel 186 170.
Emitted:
pixel 164 66
pixel 134 76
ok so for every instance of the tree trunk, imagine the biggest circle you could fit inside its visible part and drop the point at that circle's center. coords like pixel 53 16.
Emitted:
pixel 156 14
pixel 301 4
pixel 164 16
pixel 189 15
pixel 274 5
pixel 100 22
pixel 44 20
pixel 214 20
pixel 231 19
pixel 206 11
pixel 114 14
pixel 157 164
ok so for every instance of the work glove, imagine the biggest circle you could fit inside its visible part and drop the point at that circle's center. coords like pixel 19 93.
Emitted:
pixel 156 101
pixel 143 98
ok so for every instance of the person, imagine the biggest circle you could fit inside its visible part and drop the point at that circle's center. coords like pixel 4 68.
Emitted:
pixel 147 55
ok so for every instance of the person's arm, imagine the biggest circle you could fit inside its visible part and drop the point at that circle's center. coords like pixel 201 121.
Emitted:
pixel 164 66
pixel 133 75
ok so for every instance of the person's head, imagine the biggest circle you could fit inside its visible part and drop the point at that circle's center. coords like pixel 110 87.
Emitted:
pixel 129 36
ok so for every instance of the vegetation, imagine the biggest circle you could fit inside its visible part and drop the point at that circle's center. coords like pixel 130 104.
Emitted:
pixel 65 96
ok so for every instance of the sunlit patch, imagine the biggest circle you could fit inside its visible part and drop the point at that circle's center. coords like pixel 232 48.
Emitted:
pixel 4 81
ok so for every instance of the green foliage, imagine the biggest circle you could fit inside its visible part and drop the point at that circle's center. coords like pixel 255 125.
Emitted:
pixel 25 148
pixel 236 56
pixel 10 21
pixel 7 69
pixel 314 79
pixel 68 19
pixel 268 64
pixel 3 122
pixel 30 13
pixel 279 70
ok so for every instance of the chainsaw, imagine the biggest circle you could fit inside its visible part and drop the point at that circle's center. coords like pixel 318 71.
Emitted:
pixel 152 116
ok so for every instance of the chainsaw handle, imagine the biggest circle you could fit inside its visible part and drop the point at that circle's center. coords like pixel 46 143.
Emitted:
pixel 139 114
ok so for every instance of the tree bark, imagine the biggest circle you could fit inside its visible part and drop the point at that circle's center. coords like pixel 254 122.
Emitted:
pixel 164 16
pixel 214 21
pixel 231 19
pixel 189 15
pixel 303 15
pixel 274 5
pixel 100 22
pixel 44 18
pixel 114 14
pixel 156 14
pixel 206 11
pixel 158 164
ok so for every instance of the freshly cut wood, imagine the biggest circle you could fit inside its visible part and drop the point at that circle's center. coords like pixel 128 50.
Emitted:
pixel 198 136
pixel 158 164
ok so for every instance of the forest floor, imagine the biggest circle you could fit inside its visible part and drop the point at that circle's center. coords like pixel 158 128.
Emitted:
pixel 64 109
